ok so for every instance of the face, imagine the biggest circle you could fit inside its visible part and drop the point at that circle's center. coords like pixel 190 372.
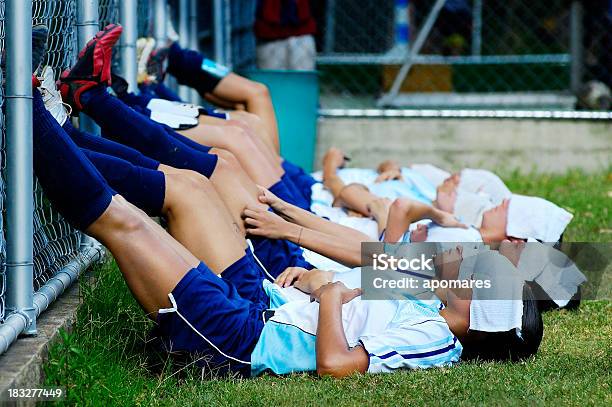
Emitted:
pixel 457 301
pixel 495 221
pixel 512 249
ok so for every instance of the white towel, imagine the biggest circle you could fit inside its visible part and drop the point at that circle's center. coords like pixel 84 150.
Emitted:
pixel 500 307
pixel 484 182
pixel 431 173
pixel 552 270
pixel 172 120
pixel 470 207
pixel 175 108
pixel 537 218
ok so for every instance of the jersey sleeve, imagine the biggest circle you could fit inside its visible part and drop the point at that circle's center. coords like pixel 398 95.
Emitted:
pixel 418 345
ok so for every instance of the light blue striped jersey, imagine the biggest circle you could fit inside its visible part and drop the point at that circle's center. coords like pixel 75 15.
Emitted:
pixel 396 334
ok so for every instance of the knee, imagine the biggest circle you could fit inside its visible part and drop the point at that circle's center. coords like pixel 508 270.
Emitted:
pixel 400 207
pixel 258 90
pixel 125 217
pixel 227 161
pixel 187 182
pixel 237 134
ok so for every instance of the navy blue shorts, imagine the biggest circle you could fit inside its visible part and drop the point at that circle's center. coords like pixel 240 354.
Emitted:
pixel 212 320
pixel 277 254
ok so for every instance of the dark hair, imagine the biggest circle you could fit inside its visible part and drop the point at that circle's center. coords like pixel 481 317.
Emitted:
pixel 508 345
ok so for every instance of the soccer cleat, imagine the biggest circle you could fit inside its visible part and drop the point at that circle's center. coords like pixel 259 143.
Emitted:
pixel 52 98
pixel 158 64
pixel 40 34
pixel 93 66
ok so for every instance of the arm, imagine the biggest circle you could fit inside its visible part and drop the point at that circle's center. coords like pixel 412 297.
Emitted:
pixel 334 357
pixel 346 249
pixel 309 220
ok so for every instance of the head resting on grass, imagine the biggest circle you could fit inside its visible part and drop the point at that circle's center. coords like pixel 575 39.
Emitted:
pixel 497 316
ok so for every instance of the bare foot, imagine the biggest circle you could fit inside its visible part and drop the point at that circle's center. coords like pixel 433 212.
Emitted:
pixel 419 235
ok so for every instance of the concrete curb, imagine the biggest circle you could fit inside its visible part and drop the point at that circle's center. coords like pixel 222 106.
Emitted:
pixel 21 365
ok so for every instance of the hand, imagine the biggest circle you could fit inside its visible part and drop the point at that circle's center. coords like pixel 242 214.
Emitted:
pixel 336 289
pixel 260 222
pixel 333 159
pixel 268 198
pixel 290 276
pixel 389 175
pixel 419 235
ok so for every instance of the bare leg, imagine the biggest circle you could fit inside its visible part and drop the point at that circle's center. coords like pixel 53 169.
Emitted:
pixel 199 220
pixel 399 220
pixel 250 123
pixel 132 240
pixel 256 98
pixel 232 185
pixel 242 145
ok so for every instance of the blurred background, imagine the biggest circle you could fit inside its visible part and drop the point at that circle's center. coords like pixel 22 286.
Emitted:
pixel 420 54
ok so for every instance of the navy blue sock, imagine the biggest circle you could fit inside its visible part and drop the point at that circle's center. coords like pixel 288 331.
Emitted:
pixel 185 65
pixel 144 188
pixel 164 92
pixel 71 182
pixel 109 147
pixel 126 126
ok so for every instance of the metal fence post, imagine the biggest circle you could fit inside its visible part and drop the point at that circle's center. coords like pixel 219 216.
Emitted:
pixel 128 14
pixel 220 32
pixel 183 32
pixel 87 27
pixel 193 42
pixel 576 46
pixel 20 206
pixel 159 21
pixel 477 27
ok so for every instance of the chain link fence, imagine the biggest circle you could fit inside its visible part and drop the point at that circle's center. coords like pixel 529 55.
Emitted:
pixel 434 53
pixel 55 242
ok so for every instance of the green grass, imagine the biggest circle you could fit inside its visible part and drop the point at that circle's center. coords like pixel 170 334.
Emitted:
pixel 103 361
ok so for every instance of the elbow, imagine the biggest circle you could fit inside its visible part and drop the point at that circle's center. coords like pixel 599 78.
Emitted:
pixel 336 367
pixel 330 369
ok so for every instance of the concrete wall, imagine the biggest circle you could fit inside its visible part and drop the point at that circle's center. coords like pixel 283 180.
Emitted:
pixel 497 144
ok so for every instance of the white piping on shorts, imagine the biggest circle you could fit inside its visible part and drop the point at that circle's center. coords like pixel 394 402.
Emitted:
pixel 257 260
pixel 175 309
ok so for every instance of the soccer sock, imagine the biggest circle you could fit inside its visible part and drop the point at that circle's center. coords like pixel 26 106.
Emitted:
pixel 108 147
pixel 122 124
pixel 69 179
pixel 185 65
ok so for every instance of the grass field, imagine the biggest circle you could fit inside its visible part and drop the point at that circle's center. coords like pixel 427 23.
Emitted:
pixel 102 360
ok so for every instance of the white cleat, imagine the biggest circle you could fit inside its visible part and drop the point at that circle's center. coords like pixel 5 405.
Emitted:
pixel 52 97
